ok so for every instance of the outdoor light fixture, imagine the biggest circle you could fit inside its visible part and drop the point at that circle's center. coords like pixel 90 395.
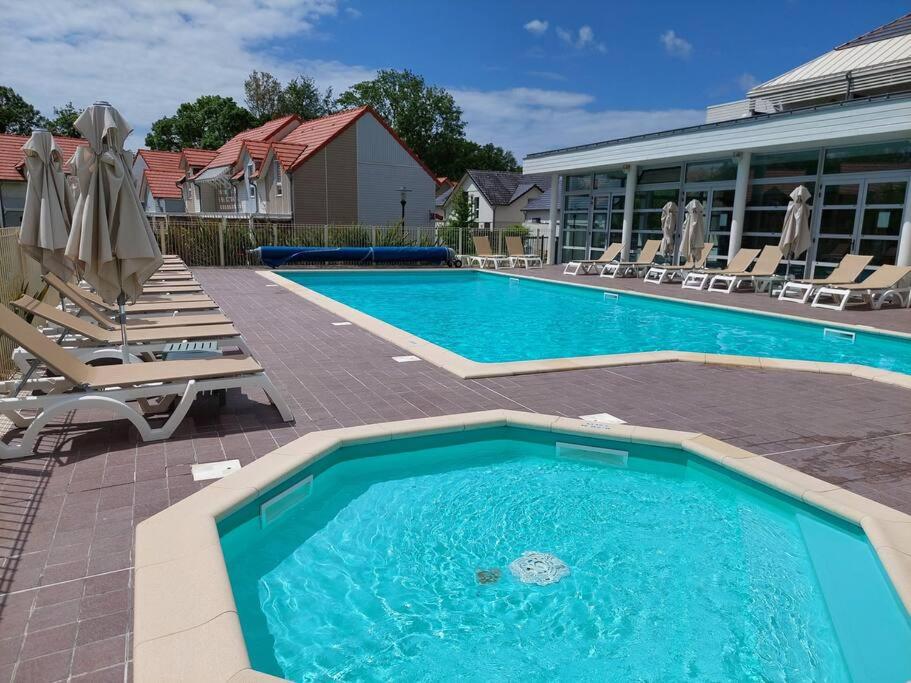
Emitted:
pixel 403 198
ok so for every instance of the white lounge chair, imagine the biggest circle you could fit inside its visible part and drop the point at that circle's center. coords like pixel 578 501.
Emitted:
pixel 643 262
pixel 668 273
pixel 516 252
pixel 698 279
pixel 74 385
pixel 484 254
pixel 585 266
pixel 762 270
pixel 845 273
pixel 886 283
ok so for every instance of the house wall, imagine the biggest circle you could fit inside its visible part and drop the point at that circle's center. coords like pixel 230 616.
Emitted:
pixel 272 203
pixel 383 166
pixel 325 186
pixel 485 211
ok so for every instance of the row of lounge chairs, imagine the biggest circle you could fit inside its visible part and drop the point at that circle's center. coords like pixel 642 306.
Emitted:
pixel 60 362
pixel 755 270
pixel 515 255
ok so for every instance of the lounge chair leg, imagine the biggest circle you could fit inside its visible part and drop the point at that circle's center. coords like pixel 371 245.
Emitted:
pixel 277 399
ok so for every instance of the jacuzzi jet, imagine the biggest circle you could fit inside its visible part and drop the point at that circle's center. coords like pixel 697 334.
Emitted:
pixel 541 569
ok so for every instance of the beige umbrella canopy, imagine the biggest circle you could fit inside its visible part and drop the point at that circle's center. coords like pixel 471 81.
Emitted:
pixel 668 228
pixel 693 237
pixel 795 233
pixel 48 206
pixel 110 238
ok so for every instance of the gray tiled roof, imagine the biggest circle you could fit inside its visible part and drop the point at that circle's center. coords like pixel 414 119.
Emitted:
pixel 500 187
pixel 899 27
pixel 443 196
pixel 539 203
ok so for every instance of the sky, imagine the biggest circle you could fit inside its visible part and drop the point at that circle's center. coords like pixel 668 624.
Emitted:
pixel 529 76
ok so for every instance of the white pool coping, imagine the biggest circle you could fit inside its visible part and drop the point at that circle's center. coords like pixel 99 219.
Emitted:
pixel 466 368
pixel 186 625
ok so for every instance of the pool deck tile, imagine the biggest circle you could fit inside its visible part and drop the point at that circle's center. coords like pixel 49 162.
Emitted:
pixel 69 515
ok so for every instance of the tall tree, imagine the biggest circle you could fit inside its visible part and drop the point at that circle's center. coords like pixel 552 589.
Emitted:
pixel 64 118
pixel 426 117
pixel 301 96
pixel 16 115
pixel 461 213
pixel 488 157
pixel 208 122
pixel 262 94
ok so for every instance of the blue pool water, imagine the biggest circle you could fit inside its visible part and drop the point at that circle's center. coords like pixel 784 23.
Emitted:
pixel 678 570
pixel 492 318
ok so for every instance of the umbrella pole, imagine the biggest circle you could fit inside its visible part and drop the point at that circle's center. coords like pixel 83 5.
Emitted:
pixel 122 318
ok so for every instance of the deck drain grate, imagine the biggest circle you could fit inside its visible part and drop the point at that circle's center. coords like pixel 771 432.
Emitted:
pixel 606 418
pixel 405 359
pixel 214 470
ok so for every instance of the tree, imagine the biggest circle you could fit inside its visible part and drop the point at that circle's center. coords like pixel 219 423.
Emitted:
pixel 461 214
pixel 64 118
pixel 488 157
pixel 302 97
pixel 208 123
pixel 426 117
pixel 16 115
pixel 262 94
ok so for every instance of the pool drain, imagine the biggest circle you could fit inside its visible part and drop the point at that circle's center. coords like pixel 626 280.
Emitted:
pixel 541 569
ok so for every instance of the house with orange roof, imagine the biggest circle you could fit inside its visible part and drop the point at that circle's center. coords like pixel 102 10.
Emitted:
pixel 159 175
pixel 346 168
pixel 12 174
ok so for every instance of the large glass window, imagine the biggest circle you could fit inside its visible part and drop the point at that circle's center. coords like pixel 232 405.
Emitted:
pixel 885 156
pixel 647 207
pixel 711 171
pixel 12 200
pixel 669 174
pixel 787 165
pixel 578 183
pixel 609 180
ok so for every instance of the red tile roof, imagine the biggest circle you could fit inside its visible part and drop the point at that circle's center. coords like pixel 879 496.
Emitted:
pixel 158 160
pixel 268 130
pixel 287 153
pixel 163 183
pixel 12 157
pixel 198 157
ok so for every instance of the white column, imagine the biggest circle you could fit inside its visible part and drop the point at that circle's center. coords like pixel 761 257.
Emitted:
pixel 632 173
pixel 552 218
pixel 904 239
pixel 741 187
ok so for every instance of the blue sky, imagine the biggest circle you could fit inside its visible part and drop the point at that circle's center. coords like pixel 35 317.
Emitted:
pixel 529 75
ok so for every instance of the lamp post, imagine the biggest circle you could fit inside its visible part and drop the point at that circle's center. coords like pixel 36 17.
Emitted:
pixel 403 198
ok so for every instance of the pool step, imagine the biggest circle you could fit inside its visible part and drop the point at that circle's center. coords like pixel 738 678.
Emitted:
pixel 278 505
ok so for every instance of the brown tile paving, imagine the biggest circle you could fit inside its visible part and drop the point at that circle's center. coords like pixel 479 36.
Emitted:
pixel 67 517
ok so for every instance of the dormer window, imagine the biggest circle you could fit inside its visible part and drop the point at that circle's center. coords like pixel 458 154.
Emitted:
pixel 277 172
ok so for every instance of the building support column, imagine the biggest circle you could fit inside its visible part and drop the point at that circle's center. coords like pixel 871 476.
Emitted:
pixel 741 187
pixel 632 174
pixel 552 219
pixel 904 239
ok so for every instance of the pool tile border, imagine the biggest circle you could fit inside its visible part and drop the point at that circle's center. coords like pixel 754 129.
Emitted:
pixel 465 368
pixel 185 620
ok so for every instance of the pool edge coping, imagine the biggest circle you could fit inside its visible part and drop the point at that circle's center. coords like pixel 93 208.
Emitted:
pixel 465 368
pixel 186 625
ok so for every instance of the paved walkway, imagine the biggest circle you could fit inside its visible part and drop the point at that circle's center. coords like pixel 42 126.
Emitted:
pixel 67 518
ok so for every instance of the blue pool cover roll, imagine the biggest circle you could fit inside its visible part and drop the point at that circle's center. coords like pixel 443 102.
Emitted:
pixel 275 257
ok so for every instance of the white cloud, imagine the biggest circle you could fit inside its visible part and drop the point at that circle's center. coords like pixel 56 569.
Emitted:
pixel 747 81
pixel 583 38
pixel 353 12
pixel 536 26
pixel 526 120
pixel 146 58
pixel 674 45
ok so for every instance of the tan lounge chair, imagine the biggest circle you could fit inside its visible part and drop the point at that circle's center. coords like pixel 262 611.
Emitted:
pixel 668 273
pixel 698 279
pixel 89 303
pixel 586 266
pixel 886 283
pixel 516 251
pixel 484 254
pixel 147 340
pixel 845 273
pixel 644 261
pixel 114 387
pixel 171 276
pixel 181 287
pixel 761 272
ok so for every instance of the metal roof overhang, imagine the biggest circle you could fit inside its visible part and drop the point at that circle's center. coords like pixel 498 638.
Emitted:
pixel 845 123
pixel 219 174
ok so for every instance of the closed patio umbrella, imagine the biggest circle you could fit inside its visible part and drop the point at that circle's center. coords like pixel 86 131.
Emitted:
pixel 693 237
pixel 110 238
pixel 668 228
pixel 795 233
pixel 48 206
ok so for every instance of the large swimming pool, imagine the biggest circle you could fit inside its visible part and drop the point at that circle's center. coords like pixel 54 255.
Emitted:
pixel 395 565
pixel 491 318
